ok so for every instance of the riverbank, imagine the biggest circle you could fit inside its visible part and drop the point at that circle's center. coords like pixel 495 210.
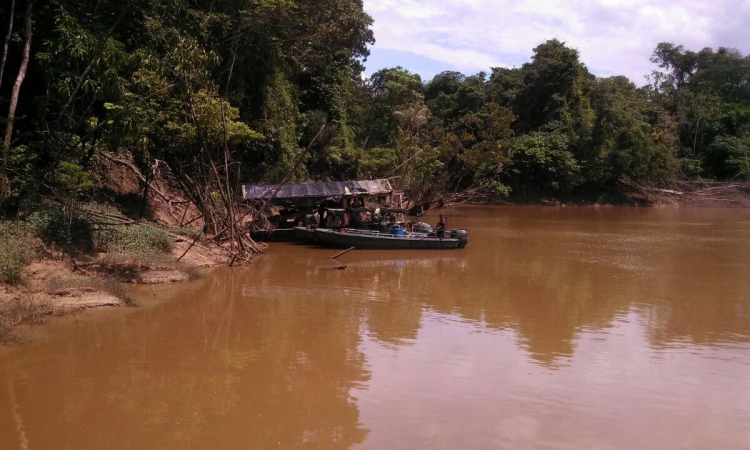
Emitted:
pixel 59 258
pixel 699 194
pixel 56 283
pixel 702 194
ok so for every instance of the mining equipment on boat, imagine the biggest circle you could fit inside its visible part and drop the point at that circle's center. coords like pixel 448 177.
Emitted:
pixel 374 230
pixel 364 214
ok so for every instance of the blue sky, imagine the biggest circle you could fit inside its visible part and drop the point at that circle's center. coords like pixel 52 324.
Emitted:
pixel 615 37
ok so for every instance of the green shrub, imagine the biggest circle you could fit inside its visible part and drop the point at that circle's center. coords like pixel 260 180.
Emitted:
pixel 72 179
pixel 690 168
pixel 728 158
pixel 55 226
pixel 544 160
pixel 17 249
pixel 133 239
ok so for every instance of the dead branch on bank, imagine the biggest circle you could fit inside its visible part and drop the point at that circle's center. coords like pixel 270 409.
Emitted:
pixel 140 177
pixel 191 246
pixel 112 219
pixel 700 193
pixel 206 179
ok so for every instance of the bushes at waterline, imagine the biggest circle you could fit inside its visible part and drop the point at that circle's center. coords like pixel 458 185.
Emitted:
pixel 17 249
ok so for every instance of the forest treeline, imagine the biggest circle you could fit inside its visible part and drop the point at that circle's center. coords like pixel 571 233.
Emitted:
pixel 218 92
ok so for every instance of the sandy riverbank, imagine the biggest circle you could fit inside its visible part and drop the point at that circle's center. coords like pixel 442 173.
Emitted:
pixel 58 285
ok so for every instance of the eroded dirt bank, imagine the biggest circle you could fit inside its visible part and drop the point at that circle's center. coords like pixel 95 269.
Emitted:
pixel 57 284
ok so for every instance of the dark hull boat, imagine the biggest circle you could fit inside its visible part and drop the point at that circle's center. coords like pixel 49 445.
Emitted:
pixel 364 239
pixel 306 234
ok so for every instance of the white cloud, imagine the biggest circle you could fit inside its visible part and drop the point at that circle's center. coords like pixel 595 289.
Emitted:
pixel 613 36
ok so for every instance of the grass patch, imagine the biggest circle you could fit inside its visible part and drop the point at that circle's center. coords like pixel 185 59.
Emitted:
pixel 17 249
pixel 133 240
pixel 79 233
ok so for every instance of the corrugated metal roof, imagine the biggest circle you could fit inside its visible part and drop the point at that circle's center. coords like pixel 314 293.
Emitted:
pixel 376 187
pixel 332 190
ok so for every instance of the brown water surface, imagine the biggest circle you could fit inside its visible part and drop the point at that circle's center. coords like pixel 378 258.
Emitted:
pixel 559 328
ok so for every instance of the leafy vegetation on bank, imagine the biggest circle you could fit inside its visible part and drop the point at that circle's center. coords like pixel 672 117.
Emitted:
pixel 76 234
pixel 145 242
pixel 81 233
pixel 65 230
pixel 17 249
pixel 240 90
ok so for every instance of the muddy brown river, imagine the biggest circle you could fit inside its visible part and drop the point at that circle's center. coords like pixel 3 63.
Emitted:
pixel 556 328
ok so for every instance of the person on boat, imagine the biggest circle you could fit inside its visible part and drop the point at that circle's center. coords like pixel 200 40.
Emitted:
pixel 312 220
pixel 440 230
pixel 321 215
pixel 354 220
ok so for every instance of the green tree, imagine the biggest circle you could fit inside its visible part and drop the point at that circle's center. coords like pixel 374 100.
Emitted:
pixel 624 143
pixel 555 93
pixel 541 164
pixel 389 90
pixel 729 158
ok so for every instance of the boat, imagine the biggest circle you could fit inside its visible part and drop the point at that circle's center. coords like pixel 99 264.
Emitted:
pixel 306 234
pixel 397 239
pixel 275 235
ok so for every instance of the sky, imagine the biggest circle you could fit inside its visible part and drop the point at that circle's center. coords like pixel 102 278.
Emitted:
pixel 614 37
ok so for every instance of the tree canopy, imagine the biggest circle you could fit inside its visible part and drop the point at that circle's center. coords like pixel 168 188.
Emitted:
pixel 277 86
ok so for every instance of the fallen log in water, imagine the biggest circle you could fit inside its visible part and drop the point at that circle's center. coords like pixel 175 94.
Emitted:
pixel 342 253
pixel 341 266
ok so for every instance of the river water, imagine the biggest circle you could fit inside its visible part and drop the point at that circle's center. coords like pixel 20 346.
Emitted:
pixel 559 328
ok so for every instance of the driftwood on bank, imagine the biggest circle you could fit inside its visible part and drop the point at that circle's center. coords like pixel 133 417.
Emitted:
pixel 700 193
pixel 198 236
pixel 206 180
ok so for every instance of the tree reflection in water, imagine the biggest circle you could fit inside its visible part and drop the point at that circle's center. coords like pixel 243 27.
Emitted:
pixel 272 355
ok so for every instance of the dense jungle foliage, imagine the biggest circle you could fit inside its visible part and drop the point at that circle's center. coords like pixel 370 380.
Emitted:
pixel 181 81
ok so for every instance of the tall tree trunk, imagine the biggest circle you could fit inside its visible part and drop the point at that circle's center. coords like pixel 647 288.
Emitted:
pixel 7 40
pixel 19 81
pixel 4 181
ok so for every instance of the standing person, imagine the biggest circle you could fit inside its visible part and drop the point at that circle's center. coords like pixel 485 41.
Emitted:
pixel 322 215
pixel 440 231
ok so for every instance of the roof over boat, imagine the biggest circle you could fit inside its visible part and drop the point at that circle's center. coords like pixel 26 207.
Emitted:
pixel 313 193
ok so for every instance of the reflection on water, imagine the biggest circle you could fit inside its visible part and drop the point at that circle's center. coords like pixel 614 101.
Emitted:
pixel 557 327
